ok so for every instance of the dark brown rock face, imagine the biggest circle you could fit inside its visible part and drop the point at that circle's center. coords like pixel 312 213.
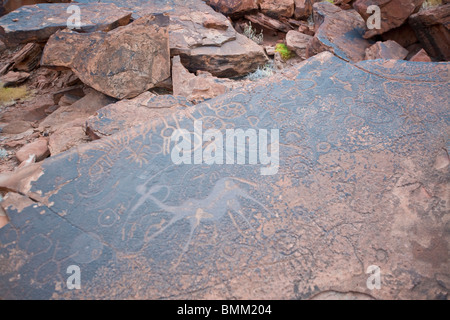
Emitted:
pixel 403 35
pixel 122 63
pixel 36 23
pixel 303 8
pixel 234 7
pixel 393 13
pixel 362 180
pixel 338 31
pixel 277 8
pixel 432 27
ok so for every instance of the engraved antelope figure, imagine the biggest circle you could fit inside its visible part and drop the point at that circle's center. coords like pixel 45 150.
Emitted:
pixel 224 195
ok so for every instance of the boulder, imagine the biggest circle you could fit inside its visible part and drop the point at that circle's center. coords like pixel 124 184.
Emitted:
pixel 67 100
pixel 421 56
pixel 27 59
pixel 362 179
pixel 232 59
pixel 338 31
pixel 303 9
pixel 277 8
pixel 196 88
pixel 298 42
pixel 122 63
pixel 38 148
pixel 386 50
pixel 67 136
pixel 432 27
pixel 234 8
pixel 80 109
pixel 191 35
pixel 394 13
pixel 36 23
pixel 125 114
pixel 14 78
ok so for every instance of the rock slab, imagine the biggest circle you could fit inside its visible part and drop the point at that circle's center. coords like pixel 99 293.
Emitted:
pixel 38 148
pixel 36 23
pixel 362 180
pixel 122 63
pixel 338 31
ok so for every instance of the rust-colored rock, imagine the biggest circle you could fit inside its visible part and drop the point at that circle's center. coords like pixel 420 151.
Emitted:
pixel 125 114
pixel 38 148
pixel 16 127
pixel 122 63
pixel 421 56
pixel 432 27
pixel 277 8
pixel 303 9
pixel 338 31
pixel 232 59
pixel 36 23
pixel 67 136
pixel 14 78
pixel 298 42
pixel 386 50
pixel 26 59
pixel 192 38
pixel 81 109
pixel 393 13
pixel 234 8
pixel 196 88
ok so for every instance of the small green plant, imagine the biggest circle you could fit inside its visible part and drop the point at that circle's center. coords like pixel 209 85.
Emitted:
pixel 330 1
pixel 11 94
pixel 285 53
pixel 250 33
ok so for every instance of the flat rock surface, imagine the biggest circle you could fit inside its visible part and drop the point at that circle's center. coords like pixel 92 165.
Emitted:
pixel 125 114
pixel 38 22
pixel 338 31
pixel 362 180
